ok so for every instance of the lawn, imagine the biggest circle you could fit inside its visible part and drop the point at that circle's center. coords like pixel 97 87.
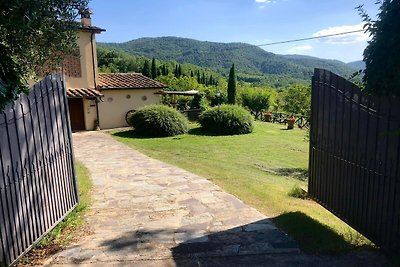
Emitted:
pixel 260 169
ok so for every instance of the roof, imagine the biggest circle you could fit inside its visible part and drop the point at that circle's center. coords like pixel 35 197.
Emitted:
pixel 83 93
pixel 127 81
pixel 184 93
pixel 92 29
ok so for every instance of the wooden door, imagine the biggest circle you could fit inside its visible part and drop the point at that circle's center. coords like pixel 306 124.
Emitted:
pixel 76 114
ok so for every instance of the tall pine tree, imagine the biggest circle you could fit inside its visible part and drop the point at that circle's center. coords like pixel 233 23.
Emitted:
pixel 153 69
pixel 198 77
pixel 176 72
pixel 180 71
pixel 146 69
pixel 232 86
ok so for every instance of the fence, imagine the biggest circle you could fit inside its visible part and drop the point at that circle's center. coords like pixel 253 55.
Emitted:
pixel 355 157
pixel 37 176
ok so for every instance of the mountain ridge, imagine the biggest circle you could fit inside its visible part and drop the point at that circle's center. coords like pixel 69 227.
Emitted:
pixel 250 60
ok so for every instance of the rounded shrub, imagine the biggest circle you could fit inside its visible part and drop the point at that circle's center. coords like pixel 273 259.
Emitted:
pixel 227 119
pixel 158 120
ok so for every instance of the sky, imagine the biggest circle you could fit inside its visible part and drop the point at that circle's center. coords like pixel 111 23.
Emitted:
pixel 248 21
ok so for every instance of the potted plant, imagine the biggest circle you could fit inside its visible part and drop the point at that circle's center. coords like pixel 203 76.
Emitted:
pixel 268 116
pixel 290 121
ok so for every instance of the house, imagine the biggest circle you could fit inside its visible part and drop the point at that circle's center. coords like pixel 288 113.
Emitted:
pixel 102 100
pixel 123 92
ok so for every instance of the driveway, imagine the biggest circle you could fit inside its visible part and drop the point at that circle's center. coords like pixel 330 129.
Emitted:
pixel 148 213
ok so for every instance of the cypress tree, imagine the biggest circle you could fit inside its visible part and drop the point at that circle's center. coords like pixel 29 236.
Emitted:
pixel 191 73
pixel 180 71
pixel 176 72
pixel 198 77
pixel 203 79
pixel 153 69
pixel 232 86
pixel 146 69
pixel 210 81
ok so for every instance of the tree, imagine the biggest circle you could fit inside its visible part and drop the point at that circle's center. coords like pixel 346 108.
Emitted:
pixel 232 86
pixel 176 72
pixel 146 69
pixel 297 100
pixel 34 33
pixel 180 73
pixel 257 101
pixel 198 77
pixel 382 57
pixel 153 69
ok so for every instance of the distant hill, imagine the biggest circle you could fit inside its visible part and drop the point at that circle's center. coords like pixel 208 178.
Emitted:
pixel 357 65
pixel 251 62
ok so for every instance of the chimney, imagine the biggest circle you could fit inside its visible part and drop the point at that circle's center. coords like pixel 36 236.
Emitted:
pixel 85 13
pixel 86 22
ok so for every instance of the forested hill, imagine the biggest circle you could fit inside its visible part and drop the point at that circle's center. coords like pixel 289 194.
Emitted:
pixel 249 59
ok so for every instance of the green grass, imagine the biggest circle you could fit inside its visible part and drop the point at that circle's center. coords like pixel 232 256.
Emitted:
pixel 261 169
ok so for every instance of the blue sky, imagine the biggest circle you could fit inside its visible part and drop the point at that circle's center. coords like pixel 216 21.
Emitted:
pixel 249 21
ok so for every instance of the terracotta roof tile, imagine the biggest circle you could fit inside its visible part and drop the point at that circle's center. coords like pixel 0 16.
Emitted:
pixel 127 81
pixel 83 93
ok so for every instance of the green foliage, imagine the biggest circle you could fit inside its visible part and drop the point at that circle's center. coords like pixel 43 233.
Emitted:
pixel 297 100
pixel 146 69
pixel 34 33
pixel 381 56
pixel 153 68
pixel 227 119
pixel 232 86
pixel 297 192
pixel 158 120
pixel 257 101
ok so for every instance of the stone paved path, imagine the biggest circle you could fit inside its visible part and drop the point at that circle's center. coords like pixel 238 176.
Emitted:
pixel 148 213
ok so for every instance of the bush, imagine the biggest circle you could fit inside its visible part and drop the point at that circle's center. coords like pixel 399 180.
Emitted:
pixel 227 119
pixel 158 120
pixel 297 192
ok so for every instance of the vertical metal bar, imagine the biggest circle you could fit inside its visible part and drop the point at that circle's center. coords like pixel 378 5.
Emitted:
pixel 41 164
pixel 7 211
pixel 57 144
pixel 33 205
pixel 17 202
pixel 44 142
pixel 70 143
pixel 49 135
pixel 375 180
pixel 35 170
pixel 366 172
pixel 63 144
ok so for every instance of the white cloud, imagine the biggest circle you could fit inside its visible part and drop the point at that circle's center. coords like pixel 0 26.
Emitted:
pixel 264 2
pixel 350 38
pixel 299 49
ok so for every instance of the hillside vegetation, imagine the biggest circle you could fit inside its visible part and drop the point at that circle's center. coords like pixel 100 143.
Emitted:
pixel 253 64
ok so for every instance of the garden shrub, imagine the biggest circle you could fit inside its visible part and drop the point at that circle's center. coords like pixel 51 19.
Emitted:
pixel 227 119
pixel 158 120
pixel 297 192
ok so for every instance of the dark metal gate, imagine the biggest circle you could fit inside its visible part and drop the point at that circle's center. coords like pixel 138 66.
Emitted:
pixel 37 172
pixel 355 157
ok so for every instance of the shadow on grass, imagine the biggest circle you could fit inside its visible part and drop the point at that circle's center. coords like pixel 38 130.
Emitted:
pixel 311 235
pixel 201 132
pixel 132 134
pixel 297 173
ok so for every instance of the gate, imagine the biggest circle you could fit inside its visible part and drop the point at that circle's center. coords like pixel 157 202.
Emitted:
pixel 355 157
pixel 37 171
